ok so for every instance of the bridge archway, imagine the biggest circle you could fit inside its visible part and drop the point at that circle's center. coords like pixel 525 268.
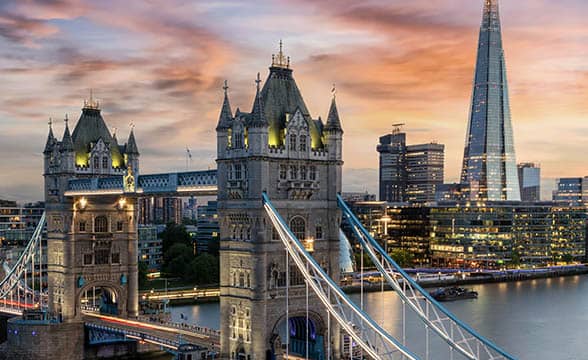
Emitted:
pixel 298 332
pixel 101 298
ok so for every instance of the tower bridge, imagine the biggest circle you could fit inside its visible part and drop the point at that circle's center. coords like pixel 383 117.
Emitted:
pixel 278 183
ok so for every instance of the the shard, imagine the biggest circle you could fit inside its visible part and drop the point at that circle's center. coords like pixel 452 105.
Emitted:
pixel 489 166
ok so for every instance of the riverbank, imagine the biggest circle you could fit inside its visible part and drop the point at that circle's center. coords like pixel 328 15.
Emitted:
pixel 210 295
pixel 480 278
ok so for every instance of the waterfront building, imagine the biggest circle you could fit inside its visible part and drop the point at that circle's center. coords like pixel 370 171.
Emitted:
pixel 571 191
pixel 281 150
pixel 409 172
pixel 499 234
pixel 207 233
pixel 530 181
pixel 489 166
pixel 397 227
pixel 150 247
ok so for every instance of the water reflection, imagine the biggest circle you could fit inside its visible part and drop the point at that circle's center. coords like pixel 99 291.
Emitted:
pixel 538 319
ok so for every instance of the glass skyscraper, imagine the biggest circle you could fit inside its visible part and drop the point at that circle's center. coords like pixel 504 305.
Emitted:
pixel 489 167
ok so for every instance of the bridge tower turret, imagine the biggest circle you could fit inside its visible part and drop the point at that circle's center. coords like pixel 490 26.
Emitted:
pixel 92 240
pixel 279 149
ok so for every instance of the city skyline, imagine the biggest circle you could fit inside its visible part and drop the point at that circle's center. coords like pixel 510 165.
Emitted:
pixel 162 69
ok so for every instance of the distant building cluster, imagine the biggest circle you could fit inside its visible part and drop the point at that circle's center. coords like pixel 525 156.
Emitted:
pixel 18 222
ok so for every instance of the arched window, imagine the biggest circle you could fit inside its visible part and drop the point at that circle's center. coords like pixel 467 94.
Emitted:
pixel 100 224
pixel 104 162
pixel 302 143
pixel 241 279
pixel 298 227
pixel 292 142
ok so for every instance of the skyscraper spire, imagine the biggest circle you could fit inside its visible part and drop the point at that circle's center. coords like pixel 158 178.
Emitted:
pixel 489 166
pixel 226 115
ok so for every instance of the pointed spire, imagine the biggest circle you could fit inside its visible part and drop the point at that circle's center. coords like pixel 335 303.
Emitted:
pixel 131 148
pixel 280 60
pixel 50 139
pixel 225 117
pixel 333 122
pixel 114 136
pixel 491 16
pixel 257 118
pixel 66 142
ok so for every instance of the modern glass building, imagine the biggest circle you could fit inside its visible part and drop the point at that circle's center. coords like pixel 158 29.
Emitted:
pixel 571 191
pixel 500 234
pixel 409 173
pixel 489 166
pixel 530 182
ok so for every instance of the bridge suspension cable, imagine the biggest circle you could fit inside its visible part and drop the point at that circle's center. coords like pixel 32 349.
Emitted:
pixel 373 340
pixel 436 317
pixel 16 277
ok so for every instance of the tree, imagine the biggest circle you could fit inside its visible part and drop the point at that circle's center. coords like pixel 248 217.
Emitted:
pixel 567 258
pixel 403 258
pixel 204 269
pixel 143 269
pixel 177 259
pixel 175 234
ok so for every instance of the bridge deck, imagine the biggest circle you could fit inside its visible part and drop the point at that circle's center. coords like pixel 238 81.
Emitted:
pixel 164 335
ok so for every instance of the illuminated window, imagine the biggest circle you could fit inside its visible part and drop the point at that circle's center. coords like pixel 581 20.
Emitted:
pixel 100 224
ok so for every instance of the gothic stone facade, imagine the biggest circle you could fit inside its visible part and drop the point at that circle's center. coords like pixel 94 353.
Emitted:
pixel 278 149
pixel 92 241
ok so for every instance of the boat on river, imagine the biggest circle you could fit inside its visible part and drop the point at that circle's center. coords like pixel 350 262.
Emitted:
pixel 453 293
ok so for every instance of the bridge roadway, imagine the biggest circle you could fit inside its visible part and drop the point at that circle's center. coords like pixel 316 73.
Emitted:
pixel 169 335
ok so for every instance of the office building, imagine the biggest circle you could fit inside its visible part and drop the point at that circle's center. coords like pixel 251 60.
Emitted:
pixel 572 191
pixel 530 182
pixel 159 210
pixel 18 222
pixel 409 173
pixel 150 247
pixel 489 166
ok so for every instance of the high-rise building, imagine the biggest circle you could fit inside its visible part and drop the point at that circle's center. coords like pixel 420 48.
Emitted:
pixel 392 149
pixel 424 169
pixel 489 166
pixel 572 191
pixel 530 181
pixel 160 210
pixel 409 172
pixel 207 235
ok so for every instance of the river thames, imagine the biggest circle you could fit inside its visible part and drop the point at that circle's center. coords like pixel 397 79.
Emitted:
pixel 543 319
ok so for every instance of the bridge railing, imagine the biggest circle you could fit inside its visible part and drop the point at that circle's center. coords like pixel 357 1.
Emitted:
pixel 459 336
pixel 375 341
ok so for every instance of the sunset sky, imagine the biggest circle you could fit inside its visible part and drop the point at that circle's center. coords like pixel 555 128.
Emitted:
pixel 161 64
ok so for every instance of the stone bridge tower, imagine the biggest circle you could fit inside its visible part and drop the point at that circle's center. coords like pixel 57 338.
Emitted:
pixel 280 149
pixel 92 240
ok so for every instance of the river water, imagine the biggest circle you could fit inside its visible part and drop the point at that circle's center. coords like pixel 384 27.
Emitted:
pixel 544 319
